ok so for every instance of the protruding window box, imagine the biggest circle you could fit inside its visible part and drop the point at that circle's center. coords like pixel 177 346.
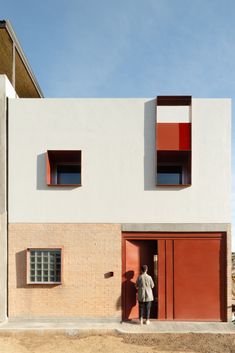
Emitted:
pixel 173 168
pixel 174 143
pixel 44 266
pixel 64 168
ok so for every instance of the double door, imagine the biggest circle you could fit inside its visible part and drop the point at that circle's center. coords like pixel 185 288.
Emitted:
pixel 188 270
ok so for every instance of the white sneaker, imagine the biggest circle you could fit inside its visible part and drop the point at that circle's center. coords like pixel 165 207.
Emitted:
pixel 147 322
pixel 141 321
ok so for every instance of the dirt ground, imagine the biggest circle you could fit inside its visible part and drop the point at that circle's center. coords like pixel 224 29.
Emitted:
pixel 133 343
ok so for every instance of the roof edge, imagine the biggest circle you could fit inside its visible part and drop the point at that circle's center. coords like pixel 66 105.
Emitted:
pixel 7 25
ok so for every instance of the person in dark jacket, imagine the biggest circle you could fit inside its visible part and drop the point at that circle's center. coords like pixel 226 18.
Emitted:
pixel 144 285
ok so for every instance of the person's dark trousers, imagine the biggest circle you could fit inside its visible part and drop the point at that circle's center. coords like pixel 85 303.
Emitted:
pixel 144 308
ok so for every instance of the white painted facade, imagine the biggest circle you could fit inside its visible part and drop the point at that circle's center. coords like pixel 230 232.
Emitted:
pixel 6 91
pixel 117 139
pixel 173 114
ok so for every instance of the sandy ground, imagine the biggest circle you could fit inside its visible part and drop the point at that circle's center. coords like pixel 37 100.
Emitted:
pixel 133 343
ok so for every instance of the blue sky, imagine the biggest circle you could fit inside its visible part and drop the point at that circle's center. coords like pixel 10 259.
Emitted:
pixel 129 48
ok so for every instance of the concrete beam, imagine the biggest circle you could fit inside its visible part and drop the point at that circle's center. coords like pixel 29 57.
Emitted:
pixel 175 227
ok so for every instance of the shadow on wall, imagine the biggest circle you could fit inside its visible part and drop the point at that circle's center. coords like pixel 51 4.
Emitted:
pixel 149 145
pixel 150 154
pixel 21 273
pixel 41 172
pixel 129 291
pixel 21 264
pixel 119 303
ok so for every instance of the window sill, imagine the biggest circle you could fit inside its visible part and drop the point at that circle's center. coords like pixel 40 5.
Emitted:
pixel 44 283
pixel 59 185
pixel 174 185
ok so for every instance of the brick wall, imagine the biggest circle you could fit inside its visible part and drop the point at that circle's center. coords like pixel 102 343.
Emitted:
pixel 89 251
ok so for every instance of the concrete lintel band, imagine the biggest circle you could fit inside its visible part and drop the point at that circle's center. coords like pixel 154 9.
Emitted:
pixel 175 227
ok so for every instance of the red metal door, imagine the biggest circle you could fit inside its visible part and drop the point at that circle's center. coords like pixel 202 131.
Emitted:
pixel 192 278
pixel 191 274
pixel 198 271
pixel 137 253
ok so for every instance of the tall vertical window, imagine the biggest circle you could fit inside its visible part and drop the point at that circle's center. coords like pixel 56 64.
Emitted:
pixel 44 266
pixel 173 141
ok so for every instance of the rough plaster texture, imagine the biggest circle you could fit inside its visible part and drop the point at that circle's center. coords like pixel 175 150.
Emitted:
pixel 6 90
pixel 117 139
pixel 89 252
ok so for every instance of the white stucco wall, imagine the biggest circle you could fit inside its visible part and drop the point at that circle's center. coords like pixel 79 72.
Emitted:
pixel 173 114
pixel 117 139
pixel 6 90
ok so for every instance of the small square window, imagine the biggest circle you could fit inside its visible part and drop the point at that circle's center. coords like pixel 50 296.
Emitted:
pixel 64 168
pixel 42 267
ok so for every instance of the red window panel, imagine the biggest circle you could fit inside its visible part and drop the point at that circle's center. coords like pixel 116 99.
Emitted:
pixel 48 169
pixel 173 136
pixel 185 136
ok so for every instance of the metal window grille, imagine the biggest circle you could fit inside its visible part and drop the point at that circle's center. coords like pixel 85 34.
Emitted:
pixel 45 266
